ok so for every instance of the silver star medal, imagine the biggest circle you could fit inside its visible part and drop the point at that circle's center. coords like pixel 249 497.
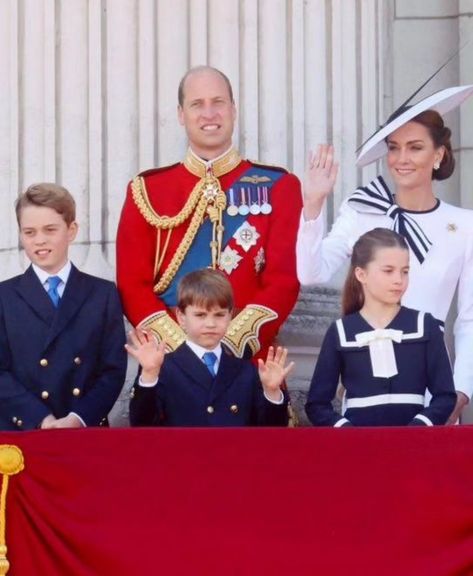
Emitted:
pixel 210 191
pixel 229 260
pixel 246 236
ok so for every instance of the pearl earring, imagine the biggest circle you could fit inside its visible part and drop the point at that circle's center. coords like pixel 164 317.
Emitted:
pixel 436 165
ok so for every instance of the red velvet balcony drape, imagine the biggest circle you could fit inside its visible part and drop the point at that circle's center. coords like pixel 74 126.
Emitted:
pixel 384 502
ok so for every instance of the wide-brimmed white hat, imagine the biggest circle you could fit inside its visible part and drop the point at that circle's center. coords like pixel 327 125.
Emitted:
pixel 442 101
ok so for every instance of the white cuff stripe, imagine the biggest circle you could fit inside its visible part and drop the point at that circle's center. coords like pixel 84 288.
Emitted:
pixel 341 422
pixel 381 399
pixel 424 419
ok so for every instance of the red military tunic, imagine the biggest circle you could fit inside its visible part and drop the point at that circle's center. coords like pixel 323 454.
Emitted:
pixel 262 271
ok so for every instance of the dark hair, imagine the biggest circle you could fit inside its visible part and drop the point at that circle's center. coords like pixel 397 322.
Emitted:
pixel 364 251
pixel 195 70
pixel 48 195
pixel 440 134
pixel 207 288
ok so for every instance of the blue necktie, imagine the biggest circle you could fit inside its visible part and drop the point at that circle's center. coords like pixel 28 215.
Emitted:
pixel 53 283
pixel 209 359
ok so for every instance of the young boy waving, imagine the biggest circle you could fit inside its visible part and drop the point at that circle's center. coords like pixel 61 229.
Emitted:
pixel 200 383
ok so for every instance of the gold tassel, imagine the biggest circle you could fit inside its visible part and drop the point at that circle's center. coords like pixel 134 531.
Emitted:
pixel 11 462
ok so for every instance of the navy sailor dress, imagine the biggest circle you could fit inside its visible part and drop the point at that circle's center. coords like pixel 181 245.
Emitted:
pixel 420 362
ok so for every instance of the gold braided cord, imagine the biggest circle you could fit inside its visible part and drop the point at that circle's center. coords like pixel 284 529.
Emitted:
pixel 207 197
pixel 160 256
pixel 156 254
pixel 11 462
pixel 212 201
pixel 183 248
pixel 141 198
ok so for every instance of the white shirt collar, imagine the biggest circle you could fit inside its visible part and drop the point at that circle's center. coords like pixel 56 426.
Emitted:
pixel 63 273
pixel 199 351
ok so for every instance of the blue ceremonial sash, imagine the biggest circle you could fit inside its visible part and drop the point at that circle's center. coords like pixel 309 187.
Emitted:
pixel 199 254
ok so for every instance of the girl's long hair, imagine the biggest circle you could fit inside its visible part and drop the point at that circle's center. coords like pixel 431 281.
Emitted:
pixel 364 250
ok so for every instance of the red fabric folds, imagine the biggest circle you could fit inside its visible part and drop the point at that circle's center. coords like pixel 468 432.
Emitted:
pixel 303 501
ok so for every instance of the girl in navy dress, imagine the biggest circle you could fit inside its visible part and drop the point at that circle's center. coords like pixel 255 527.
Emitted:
pixel 387 356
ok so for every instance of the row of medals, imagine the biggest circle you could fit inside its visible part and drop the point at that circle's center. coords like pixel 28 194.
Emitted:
pixel 253 200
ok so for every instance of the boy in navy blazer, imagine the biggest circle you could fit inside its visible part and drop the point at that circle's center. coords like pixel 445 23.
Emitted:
pixel 200 383
pixel 62 357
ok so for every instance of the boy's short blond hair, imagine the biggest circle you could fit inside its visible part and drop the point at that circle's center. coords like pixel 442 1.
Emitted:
pixel 206 288
pixel 48 195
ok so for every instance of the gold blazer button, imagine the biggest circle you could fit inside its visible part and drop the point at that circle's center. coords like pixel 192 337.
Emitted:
pixel 210 409
pixel 77 360
pixel 44 394
pixel 76 391
pixel 43 362
pixel 234 408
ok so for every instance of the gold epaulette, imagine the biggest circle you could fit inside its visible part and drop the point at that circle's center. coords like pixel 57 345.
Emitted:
pixel 244 329
pixel 165 329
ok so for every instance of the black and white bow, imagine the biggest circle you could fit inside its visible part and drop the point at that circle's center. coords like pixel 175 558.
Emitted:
pixel 376 198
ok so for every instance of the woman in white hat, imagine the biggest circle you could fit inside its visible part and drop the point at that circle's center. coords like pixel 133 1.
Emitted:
pixel 440 236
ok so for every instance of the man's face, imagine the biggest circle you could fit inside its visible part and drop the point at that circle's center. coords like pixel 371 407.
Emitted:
pixel 207 113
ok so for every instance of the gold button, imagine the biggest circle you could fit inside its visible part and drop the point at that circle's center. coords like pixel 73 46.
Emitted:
pixel 77 360
pixel 19 423
pixel 44 394
pixel 43 362
pixel 76 391
pixel 234 408
pixel 14 419
pixel 210 409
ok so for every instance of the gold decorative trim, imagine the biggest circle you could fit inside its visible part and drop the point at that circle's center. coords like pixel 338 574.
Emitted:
pixel 212 202
pixel 142 201
pixel 255 179
pixel 11 463
pixel 218 167
pixel 244 329
pixel 165 329
pixel 207 197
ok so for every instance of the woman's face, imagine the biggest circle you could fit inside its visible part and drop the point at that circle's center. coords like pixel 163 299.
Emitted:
pixel 412 156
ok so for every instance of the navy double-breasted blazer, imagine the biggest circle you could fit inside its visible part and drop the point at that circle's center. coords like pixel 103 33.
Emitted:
pixel 187 395
pixel 56 361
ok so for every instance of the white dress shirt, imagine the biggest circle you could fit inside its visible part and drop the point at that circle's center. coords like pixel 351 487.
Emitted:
pixel 63 274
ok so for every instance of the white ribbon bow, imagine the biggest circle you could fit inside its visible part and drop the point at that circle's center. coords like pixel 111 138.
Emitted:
pixel 380 342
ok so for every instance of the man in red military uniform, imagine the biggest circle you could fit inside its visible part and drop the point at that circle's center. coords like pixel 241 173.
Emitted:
pixel 213 209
